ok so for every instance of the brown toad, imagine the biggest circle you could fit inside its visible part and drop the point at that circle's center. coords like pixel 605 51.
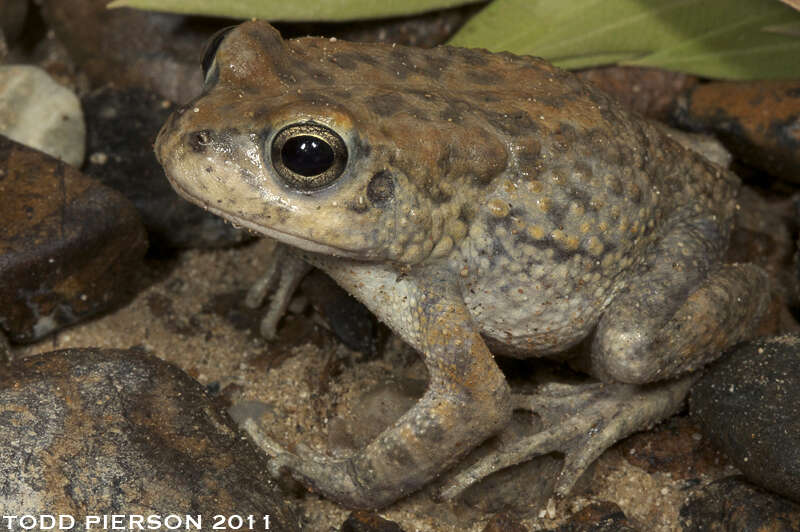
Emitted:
pixel 478 203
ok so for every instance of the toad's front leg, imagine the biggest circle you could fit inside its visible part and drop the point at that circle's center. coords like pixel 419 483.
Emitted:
pixel 467 398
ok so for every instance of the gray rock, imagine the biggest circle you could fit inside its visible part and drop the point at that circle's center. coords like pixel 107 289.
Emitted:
pixel 40 113
pixel 70 248
pixel 88 432
pixel 748 404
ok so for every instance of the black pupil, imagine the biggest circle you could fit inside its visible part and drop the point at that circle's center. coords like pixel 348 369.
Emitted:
pixel 307 155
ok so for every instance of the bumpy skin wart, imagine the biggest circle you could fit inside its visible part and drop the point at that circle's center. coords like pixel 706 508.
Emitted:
pixel 487 201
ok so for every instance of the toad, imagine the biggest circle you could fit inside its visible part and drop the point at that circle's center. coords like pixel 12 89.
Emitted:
pixel 479 204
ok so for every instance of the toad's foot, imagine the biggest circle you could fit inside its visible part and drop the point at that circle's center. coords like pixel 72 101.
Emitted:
pixel 581 421
pixel 284 272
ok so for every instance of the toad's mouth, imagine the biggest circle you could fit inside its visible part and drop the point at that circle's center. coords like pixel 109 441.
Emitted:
pixel 290 239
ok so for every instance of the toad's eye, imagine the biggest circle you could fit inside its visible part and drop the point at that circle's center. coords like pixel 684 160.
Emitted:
pixel 308 156
pixel 211 49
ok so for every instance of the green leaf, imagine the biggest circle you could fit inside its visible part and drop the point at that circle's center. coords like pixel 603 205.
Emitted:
pixel 792 28
pixel 741 39
pixel 293 10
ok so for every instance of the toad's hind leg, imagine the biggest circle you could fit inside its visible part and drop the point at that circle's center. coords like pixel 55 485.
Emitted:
pixel 680 311
pixel 677 313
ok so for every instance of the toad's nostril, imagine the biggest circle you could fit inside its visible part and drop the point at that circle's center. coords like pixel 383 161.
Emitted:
pixel 198 140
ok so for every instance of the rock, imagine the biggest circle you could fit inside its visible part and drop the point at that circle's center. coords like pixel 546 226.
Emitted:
pixel 104 431
pixel 649 91
pixel 121 128
pixel 733 504
pixel 759 121
pixel 133 48
pixel 598 517
pixel 748 404
pixel 69 247
pixel 363 521
pixel 349 320
pixel 40 113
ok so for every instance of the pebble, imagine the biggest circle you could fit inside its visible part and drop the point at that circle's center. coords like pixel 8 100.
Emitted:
pixel 69 246
pixel 103 431
pixel 122 125
pixel 734 504
pixel 40 113
pixel 748 405
pixel 759 121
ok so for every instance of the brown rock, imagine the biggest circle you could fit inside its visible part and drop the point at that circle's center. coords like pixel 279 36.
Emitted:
pixel 758 120
pixel 69 246
pixel 103 431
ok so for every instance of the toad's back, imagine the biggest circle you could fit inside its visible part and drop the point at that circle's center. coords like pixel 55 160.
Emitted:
pixel 545 190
